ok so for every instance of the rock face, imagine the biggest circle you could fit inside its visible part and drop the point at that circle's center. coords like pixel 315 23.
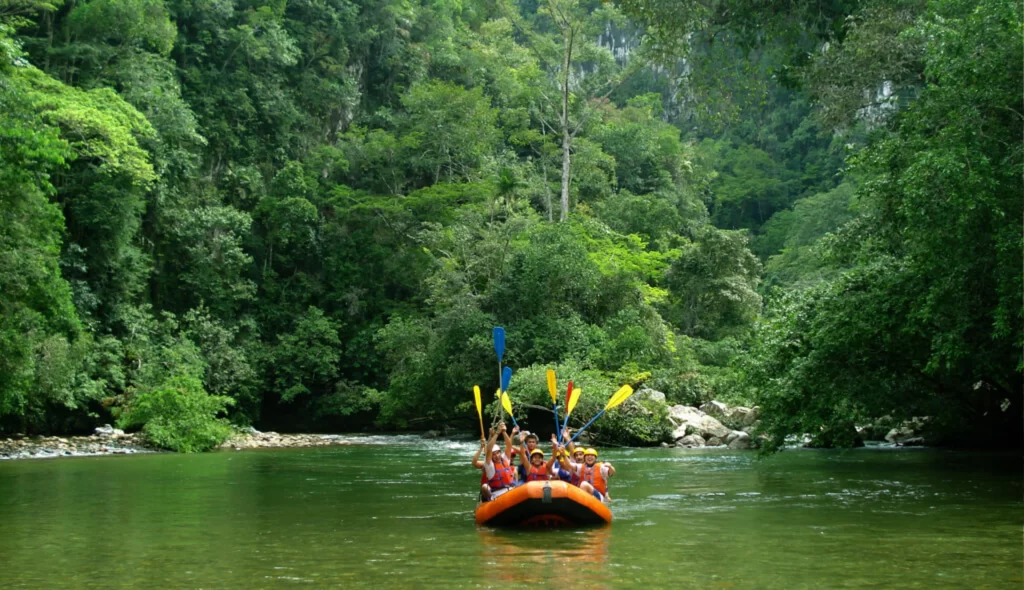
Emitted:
pixel 692 422
pixel 716 409
pixel 651 395
pixel 713 427
pixel 690 441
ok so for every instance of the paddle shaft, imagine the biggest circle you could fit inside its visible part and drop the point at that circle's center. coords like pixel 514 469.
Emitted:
pixel 554 408
pixel 580 431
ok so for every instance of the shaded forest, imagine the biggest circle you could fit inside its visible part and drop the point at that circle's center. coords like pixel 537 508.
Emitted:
pixel 309 214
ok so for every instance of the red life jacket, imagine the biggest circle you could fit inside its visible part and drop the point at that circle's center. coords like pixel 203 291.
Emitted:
pixel 592 475
pixel 538 473
pixel 503 476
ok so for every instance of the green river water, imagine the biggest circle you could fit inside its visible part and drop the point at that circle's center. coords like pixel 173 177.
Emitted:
pixel 397 512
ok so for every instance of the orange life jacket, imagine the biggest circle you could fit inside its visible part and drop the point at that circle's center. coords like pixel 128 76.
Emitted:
pixel 503 475
pixel 593 476
pixel 538 473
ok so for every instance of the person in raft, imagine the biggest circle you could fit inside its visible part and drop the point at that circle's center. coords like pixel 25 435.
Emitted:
pixel 531 441
pixel 559 469
pixel 540 470
pixel 569 465
pixel 498 475
pixel 592 477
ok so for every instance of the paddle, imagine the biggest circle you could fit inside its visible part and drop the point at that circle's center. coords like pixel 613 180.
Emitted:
pixel 554 400
pixel 499 348
pixel 571 399
pixel 506 378
pixel 620 396
pixel 479 410
pixel 506 402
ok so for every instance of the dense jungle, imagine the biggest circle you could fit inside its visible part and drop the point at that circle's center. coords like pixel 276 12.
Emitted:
pixel 307 215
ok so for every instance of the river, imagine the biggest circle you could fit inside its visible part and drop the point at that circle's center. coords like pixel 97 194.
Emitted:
pixel 397 512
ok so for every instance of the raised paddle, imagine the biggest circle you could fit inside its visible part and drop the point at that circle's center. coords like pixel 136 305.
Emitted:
pixel 552 389
pixel 479 409
pixel 620 396
pixel 571 399
pixel 506 378
pixel 499 348
pixel 506 402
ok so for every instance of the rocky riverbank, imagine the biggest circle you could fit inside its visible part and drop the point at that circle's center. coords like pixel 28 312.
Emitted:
pixel 716 424
pixel 105 441
pixel 254 439
pixel 112 441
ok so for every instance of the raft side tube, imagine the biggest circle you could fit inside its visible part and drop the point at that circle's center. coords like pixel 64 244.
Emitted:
pixel 544 503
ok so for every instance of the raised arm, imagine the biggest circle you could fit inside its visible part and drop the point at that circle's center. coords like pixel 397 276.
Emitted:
pixel 571 445
pixel 488 446
pixel 508 439
pixel 524 458
pixel 562 462
pixel 477 463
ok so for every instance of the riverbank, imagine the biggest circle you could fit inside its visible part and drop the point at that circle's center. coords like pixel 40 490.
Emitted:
pixel 112 441
pixel 105 441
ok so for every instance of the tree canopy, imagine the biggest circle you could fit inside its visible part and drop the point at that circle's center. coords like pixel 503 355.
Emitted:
pixel 309 214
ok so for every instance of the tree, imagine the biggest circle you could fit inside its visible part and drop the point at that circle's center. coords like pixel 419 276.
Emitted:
pixel 584 73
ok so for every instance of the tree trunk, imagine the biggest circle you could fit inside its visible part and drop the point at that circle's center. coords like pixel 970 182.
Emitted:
pixel 567 41
pixel 566 169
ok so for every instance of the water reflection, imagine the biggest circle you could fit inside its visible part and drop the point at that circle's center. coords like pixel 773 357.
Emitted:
pixel 566 559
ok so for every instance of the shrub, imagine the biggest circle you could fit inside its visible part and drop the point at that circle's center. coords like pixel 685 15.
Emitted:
pixel 179 416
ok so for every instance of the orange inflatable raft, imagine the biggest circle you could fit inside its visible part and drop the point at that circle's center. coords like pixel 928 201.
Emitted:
pixel 543 504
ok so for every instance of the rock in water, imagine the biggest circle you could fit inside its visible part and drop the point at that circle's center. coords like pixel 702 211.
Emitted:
pixel 900 435
pixel 685 420
pixel 741 441
pixel 711 427
pixel 691 441
pixel 108 430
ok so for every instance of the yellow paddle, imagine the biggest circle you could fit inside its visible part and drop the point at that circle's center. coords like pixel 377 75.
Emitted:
pixel 620 396
pixel 506 402
pixel 552 386
pixel 479 409
pixel 576 393
pixel 573 397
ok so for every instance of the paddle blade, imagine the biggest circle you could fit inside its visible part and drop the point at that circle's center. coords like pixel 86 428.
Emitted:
pixel 551 386
pixel 499 342
pixel 506 402
pixel 506 378
pixel 576 393
pixel 568 393
pixel 476 398
pixel 620 396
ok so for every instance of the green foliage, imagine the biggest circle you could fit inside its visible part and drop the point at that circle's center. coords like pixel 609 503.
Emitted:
pixel 180 416
pixel 305 360
pixel 795 233
pixel 319 209
pixel 713 285
pixel 927 322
